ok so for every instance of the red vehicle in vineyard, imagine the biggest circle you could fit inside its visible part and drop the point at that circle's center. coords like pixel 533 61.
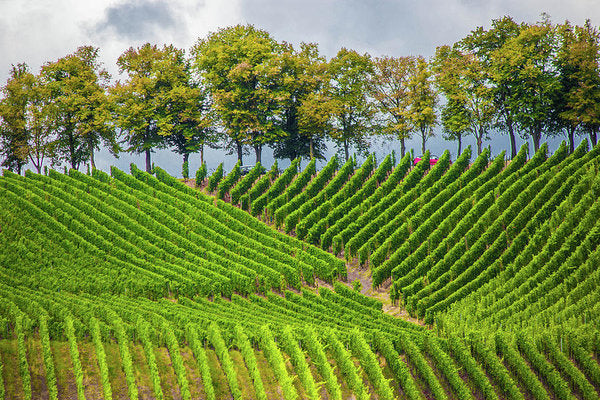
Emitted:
pixel 432 160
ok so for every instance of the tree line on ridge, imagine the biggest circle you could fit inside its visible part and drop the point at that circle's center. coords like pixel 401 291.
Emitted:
pixel 239 89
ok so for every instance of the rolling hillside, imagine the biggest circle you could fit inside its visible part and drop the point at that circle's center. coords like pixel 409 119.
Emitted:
pixel 138 286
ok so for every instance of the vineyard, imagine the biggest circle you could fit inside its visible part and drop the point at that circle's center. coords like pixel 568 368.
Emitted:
pixel 138 286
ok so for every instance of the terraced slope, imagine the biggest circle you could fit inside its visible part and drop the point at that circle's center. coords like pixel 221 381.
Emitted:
pixel 435 236
pixel 137 286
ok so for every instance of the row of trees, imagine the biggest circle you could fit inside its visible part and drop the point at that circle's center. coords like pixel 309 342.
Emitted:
pixel 69 109
pixel 241 89
pixel 531 80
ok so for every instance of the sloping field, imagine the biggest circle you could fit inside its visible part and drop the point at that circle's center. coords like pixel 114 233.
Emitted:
pixel 138 286
pixel 434 237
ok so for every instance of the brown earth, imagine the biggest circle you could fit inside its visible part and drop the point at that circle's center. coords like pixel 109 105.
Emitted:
pixel 381 293
pixel 355 272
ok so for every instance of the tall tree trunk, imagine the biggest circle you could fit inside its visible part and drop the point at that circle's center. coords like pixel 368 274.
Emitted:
pixel 423 137
pixel 201 154
pixel 91 146
pixel 346 153
pixel 92 161
pixel 593 137
pixel 536 136
pixel 459 136
pixel 72 150
pixel 37 162
pixel 571 135
pixel 258 151
pixel 239 148
pixel 479 143
pixel 312 150
pixel 402 147
pixel 186 157
pixel 148 161
pixel 513 141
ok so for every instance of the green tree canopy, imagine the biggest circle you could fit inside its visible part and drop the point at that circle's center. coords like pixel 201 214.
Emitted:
pixel 27 121
pixel 76 89
pixel 156 101
pixel 192 120
pixel 577 60
pixel 242 72
pixel 455 121
pixel 14 133
pixel 469 107
pixel 483 43
pixel 315 121
pixel 307 108
pixel 423 100
pixel 350 74
pixel 41 122
pixel 389 87
pixel 524 64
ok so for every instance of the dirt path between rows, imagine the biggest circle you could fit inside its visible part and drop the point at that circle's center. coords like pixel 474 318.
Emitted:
pixel 355 272
pixel 381 293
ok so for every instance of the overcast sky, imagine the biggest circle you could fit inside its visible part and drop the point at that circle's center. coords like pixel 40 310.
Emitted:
pixel 37 32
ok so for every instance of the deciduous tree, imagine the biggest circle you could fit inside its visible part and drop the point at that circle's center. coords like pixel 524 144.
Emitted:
pixel 41 123
pixel 315 120
pixel 483 43
pixel 192 120
pixel 28 121
pixel 152 104
pixel 389 87
pixel 524 63
pixel 14 132
pixel 577 60
pixel 307 107
pixel 423 100
pixel 455 121
pixel 350 75
pixel 241 70
pixel 469 107
pixel 76 87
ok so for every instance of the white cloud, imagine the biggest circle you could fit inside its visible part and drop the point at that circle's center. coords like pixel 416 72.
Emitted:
pixel 398 27
pixel 37 32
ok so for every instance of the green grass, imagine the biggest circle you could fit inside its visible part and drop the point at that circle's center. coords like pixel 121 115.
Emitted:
pixel 218 376
pixel 91 373
pixel 292 372
pixel 115 371
pixel 272 388
pixel 346 392
pixel 193 373
pixel 421 384
pixel 64 370
pixel 388 374
pixel 322 390
pixel 141 371
pixel 168 379
pixel 12 380
pixel 244 380
pixel 36 367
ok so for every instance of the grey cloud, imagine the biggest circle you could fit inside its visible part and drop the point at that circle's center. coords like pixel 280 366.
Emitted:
pixel 138 20
pixel 395 27
pixel 340 23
